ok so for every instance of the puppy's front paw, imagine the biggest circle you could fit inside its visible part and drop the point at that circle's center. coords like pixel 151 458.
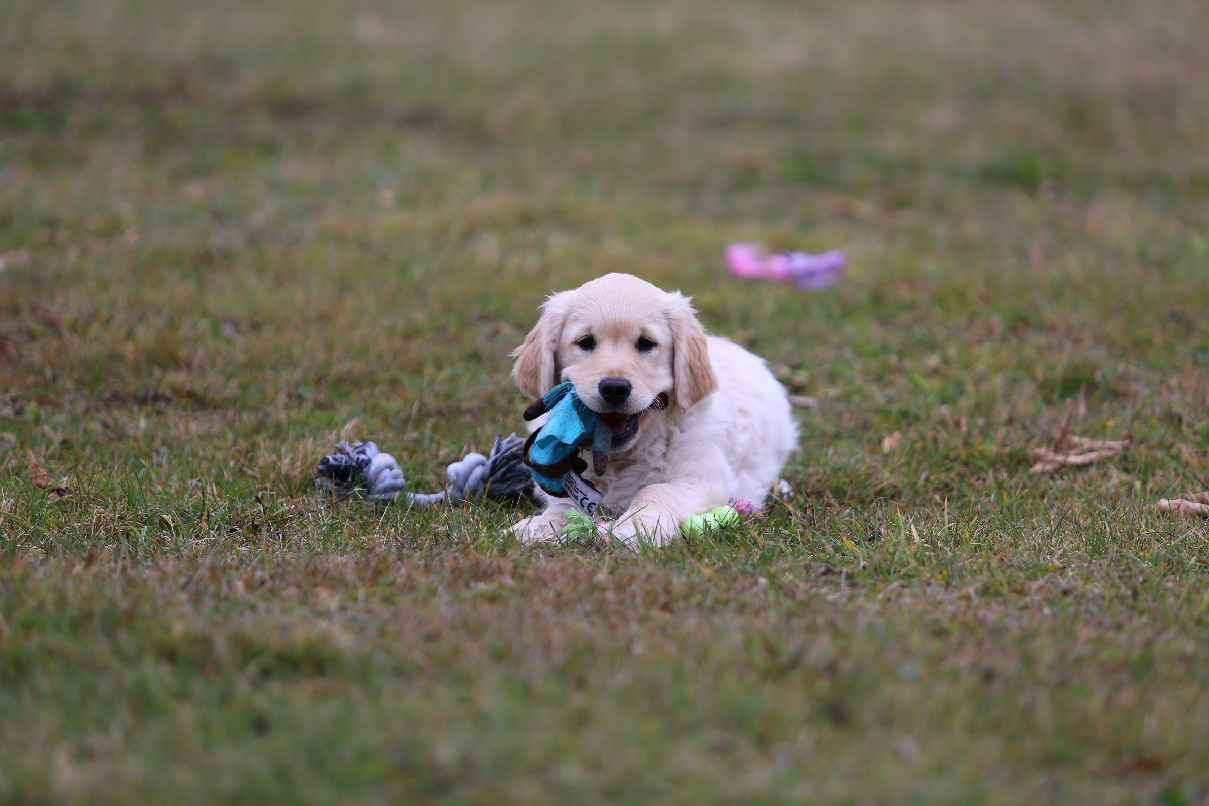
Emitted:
pixel 540 528
pixel 645 529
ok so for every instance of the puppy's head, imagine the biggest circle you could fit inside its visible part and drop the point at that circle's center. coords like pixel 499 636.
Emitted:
pixel 627 346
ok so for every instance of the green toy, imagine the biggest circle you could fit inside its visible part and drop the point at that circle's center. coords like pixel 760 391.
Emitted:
pixel 582 528
pixel 718 518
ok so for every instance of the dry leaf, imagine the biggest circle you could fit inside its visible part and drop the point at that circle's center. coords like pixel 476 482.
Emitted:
pixel 1192 505
pixel 1070 450
pixel 1078 451
pixel 59 491
pixel 37 473
pixel 891 442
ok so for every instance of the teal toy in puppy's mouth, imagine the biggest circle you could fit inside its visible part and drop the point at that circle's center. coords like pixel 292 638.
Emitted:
pixel 552 451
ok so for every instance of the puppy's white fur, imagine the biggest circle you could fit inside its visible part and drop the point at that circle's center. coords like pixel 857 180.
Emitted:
pixel 726 435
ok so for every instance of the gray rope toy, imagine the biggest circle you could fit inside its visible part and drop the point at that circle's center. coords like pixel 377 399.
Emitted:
pixel 362 467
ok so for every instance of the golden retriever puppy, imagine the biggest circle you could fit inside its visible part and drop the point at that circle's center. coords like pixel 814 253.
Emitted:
pixel 697 420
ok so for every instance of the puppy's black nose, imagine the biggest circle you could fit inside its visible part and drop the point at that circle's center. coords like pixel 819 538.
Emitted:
pixel 614 390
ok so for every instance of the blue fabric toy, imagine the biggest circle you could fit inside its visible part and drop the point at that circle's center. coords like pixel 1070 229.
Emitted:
pixel 552 449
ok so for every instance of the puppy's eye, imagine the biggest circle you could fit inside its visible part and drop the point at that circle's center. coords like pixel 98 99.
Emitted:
pixel 645 345
pixel 586 343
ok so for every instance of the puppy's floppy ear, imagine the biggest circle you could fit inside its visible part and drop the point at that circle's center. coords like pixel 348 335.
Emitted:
pixel 535 369
pixel 692 373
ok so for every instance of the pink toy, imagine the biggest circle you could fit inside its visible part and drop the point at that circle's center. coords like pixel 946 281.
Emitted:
pixel 808 272
pixel 745 508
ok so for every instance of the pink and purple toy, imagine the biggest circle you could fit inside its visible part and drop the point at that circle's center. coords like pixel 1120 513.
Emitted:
pixel 808 272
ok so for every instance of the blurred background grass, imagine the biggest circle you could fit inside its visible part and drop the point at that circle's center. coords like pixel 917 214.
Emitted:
pixel 227 231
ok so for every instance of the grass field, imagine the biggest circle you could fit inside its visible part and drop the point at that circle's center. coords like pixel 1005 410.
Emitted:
pixel 231 231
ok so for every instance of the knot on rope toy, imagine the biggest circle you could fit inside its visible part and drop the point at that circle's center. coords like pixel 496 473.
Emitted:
pixel 361 468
